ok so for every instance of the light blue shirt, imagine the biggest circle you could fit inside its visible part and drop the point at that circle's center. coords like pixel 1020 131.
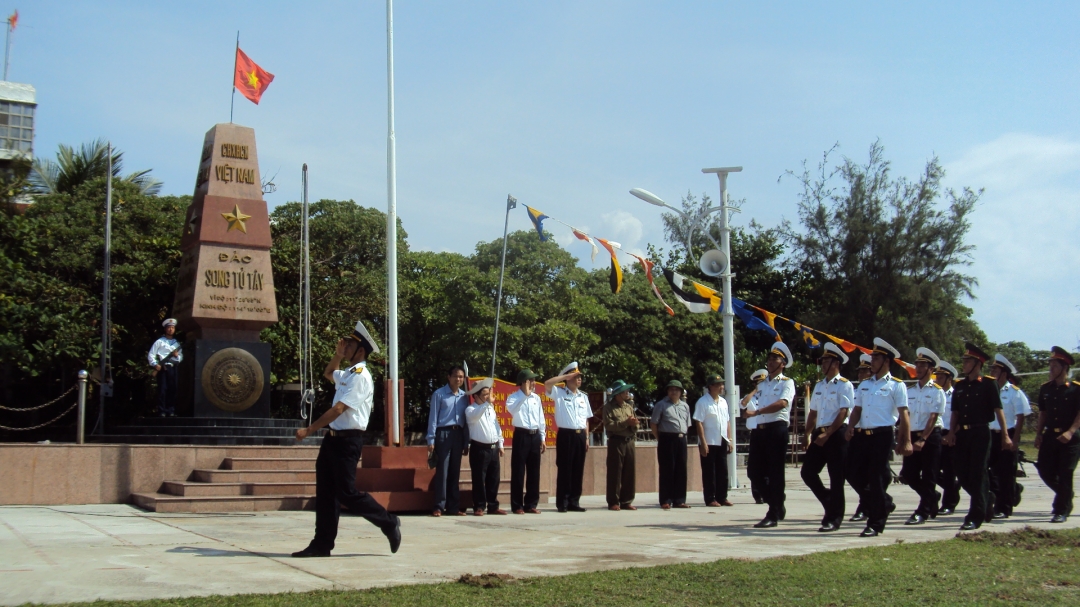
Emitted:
pixel 830 396
pixel 447 409
pixel 881 400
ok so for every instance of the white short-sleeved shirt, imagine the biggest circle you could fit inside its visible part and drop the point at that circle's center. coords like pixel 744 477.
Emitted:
pixel 354 387
pixel 829 397
pixel 946 417
pixel 922 402
pixel 881 401
pixel 752 405
pixel 771 390
pixel 1013 402
pixel 572 409
pixel 713 415
pixel 527 412
pixel 483 424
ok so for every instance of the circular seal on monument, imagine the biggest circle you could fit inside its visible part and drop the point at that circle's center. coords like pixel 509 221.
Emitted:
pixel 232 379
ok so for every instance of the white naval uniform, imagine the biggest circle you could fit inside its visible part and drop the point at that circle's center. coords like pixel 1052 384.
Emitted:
pixel 829 397
pixel 1013 402
pixel 771 390
pixel 880 401
pixel 924 401
pixel 572 409
pixel 161 352
pixel 355 388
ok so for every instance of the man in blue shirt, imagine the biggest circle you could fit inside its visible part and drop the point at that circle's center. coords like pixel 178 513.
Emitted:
pixel 447 438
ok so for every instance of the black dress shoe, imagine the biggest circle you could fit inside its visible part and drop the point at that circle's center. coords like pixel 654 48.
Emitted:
pixel 945 511
pixel 575 509
pixel 828 527
pixel 868 532
pixel 561 509
pixel 783 512
pixel 758 500
pixel 765 523
pixel 394 535
pixel 310 552
pixel 1000 515
pixel 1059 518
pixel 916 519
pixel 969 526
pixel 858 517
pixel 892 507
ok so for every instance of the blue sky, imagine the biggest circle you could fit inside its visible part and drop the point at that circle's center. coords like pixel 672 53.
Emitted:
pixel 567 105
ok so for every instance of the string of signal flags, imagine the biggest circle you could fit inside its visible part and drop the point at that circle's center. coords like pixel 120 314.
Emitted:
pixel 699 298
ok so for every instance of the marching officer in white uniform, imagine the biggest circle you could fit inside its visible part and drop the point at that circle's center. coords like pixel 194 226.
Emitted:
pixel 572 413
pixel 165 357
pixel 827 446
pixel 335 468
pixel 880 402
pixel 926 406
pixel 1003 464
pixel 769 441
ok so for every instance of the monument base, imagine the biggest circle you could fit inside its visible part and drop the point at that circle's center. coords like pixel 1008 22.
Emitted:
pixel 225 379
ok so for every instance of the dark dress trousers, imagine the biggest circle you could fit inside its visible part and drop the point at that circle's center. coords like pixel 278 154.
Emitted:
pixel 525 464
pixel 485 468
pixel 973 403
pixel 714 473
pixel 832 455
pixel 335 485
pixel 920 472
pixel 1057 461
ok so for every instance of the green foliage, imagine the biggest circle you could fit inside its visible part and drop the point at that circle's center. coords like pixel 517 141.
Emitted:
pixel 73 168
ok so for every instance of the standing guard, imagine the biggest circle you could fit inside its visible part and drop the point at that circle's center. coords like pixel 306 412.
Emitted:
pixel 769 441
pixel 1003 464
pixel 827 445
pixel 335 468
pixel 975 403
pixel 880 402
pixel 947 480
pixel 1056 437
pixel 165 356
pixel 572 413
pixel 926 405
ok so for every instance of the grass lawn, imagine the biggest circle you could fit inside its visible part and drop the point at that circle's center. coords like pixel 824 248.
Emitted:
pixel 1028 566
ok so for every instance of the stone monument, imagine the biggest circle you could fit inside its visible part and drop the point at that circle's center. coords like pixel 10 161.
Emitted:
pixel 225 292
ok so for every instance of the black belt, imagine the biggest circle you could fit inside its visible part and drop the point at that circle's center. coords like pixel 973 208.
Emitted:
pixel 525 430
pixel 344 433
pixel 872 431
pixel 479 445
pixel 1056 430
pixel 771 424
pixel 619 436
pixel 450 427
pixel 672 434
pixel 821 429
pixel 574 430
pixel 973 426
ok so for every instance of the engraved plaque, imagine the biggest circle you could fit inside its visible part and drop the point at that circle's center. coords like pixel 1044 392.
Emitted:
pixel 232 380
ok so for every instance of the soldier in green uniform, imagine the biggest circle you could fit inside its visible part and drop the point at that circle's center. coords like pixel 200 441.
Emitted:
pixel 975 403
pixel 1056 434
pixel 621 424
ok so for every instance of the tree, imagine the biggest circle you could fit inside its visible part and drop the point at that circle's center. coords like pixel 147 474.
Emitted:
pixel 883 256
pixel 73 168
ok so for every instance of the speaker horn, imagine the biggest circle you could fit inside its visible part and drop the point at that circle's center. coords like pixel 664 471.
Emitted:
pixel 713 262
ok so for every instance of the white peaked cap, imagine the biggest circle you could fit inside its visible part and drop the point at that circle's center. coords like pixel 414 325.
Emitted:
pixel 568 368
pixel 927 355
pixel 832 348
pixel 1001 361
pixel 944 366
pixel 360 333
pixel 880 345
pixel 782 349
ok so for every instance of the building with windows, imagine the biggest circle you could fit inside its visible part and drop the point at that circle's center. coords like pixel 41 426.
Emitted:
pixel 18 105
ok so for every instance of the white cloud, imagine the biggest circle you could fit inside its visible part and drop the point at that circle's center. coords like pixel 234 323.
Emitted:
pixel 1026 230
pixel 625 228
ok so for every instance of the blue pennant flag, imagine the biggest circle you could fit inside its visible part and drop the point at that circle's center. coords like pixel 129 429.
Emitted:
pixel 537 219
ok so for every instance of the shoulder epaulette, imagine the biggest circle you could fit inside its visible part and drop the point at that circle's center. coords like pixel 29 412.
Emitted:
pixel 1014 387
pixel 845 380
pixel 1076 383
pixel 897 379
pixel 781 377
pixel 933 384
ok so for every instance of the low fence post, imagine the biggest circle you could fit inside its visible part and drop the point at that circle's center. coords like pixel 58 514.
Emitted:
pixel 80 436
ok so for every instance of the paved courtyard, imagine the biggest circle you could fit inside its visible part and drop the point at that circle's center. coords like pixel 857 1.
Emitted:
pixel 52 554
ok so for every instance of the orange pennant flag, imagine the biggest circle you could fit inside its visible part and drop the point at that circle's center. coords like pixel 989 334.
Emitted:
pixel 13 20
pixel 250 79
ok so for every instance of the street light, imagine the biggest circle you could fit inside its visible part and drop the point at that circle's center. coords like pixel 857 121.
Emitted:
pixel 715 263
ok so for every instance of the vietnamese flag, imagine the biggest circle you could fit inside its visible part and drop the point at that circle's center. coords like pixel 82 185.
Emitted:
pixel 250 79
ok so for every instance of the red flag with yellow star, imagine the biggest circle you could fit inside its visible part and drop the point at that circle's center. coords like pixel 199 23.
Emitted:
pixel 250 79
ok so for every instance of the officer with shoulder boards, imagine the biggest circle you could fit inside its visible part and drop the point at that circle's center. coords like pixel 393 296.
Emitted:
pixel 926 405
pixel 572 413
pixel 335 468
pixel 769 440
pixel 946 479
pixel 880 402
pixel 826 444
pixel 749 404
pixel 1056 436
pixel 975 403
pixel 1003 464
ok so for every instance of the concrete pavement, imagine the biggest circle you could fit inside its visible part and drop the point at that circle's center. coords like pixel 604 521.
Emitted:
pixel 52 554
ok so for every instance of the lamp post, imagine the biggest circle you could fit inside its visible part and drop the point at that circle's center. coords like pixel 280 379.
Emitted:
pixel 722 267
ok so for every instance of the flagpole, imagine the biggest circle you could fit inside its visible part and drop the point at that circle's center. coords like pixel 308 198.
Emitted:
pixel 232 102
pixel 391 230
pixel 511 203
pixel 105 377
pixel 7 49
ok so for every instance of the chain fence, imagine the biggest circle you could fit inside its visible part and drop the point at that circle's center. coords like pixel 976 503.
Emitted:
pixel 39 407
pixel 53 401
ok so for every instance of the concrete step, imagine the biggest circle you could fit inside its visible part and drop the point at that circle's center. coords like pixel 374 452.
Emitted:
pixel 252 476
pixel 393 479
pixel 161 502
pixel 268 463
pixel 186 489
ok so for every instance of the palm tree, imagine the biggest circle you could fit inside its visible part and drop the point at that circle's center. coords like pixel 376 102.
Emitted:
pixel 73 168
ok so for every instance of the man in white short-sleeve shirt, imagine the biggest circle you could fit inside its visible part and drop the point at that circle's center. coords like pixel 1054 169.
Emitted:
pixel 826 445
pixel 711 419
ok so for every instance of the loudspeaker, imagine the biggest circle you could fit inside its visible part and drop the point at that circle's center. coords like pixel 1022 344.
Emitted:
pixel 713 263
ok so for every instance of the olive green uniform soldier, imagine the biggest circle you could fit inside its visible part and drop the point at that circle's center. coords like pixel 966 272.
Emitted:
pixel 621 424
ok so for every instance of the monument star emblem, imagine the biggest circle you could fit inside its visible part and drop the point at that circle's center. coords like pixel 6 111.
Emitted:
pixel 236 219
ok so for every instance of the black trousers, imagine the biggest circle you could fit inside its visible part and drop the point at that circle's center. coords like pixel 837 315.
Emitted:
pixel 335 484
pixel 167 381
pixel 484 464
pixel 449 443
pixel 768 448
pixel 971 457
pixel 525 470
pixel 950 485
pixel 714 473
pixel 753 473
pixel 1056 465
pixel 920 471
pixel 833 455
pixel 1002 472
pixel 570 447
pixel 869 459
pixel 671 461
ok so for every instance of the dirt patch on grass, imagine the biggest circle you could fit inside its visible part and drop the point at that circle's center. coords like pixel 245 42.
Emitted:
pixel 1028 538
pixel 486 580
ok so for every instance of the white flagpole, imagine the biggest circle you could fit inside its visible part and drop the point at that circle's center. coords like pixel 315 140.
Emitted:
pixel 391 230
